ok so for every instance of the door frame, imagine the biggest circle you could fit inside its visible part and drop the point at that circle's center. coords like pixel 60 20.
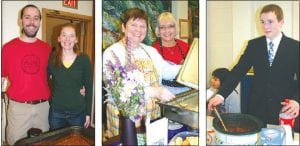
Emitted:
pixel 88 44
pixel 89 40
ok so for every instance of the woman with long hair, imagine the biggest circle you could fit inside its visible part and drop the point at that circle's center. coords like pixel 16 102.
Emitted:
pixel 69 70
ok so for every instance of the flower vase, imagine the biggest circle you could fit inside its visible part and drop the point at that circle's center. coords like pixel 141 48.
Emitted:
pixel 128 131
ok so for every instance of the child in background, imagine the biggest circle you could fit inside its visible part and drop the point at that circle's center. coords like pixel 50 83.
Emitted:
pixel 232 102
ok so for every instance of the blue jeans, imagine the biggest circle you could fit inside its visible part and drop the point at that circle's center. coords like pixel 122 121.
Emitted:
pixel 60 118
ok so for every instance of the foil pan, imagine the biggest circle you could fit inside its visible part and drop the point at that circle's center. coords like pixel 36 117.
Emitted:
pixel 88 133
pixel 183 109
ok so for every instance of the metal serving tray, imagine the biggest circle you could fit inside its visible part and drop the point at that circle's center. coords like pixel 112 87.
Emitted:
pixel 183 109
pixel 189 72
pixel 88 133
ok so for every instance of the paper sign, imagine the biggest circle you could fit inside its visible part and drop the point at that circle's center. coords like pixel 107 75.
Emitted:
pixel 70 3
pixel 157 132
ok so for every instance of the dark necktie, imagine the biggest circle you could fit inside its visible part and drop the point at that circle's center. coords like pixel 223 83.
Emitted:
pixel 271 53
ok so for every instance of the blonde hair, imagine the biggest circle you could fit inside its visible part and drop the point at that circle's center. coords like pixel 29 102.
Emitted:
pixel 165 16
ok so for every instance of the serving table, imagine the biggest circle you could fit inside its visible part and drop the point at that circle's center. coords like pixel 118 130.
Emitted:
pixel 50 137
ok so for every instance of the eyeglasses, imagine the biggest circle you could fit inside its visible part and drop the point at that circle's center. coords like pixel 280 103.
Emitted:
pixel 166 27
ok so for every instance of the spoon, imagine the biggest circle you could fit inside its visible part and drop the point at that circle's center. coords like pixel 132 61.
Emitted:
pixel 219 117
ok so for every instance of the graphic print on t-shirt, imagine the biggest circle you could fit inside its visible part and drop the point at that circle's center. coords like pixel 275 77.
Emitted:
pixel 30 64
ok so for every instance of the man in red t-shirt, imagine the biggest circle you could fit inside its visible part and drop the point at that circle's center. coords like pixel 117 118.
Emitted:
pixel 24 66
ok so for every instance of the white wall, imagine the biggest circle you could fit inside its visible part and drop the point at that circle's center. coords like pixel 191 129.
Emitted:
pixel 11 9
pixel 10 16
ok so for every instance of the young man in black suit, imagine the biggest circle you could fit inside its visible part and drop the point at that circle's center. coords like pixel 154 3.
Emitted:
pixel 273 81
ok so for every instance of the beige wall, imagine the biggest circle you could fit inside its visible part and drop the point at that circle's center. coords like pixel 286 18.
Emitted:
pixel 11 9
pixel 219 35
pixel 180 11
pixel 296 23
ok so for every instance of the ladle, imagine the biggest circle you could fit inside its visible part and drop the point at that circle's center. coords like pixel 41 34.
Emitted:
pixel 218 115
pixel 221 120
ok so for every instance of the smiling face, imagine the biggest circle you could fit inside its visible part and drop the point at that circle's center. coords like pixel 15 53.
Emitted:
pixel 167 30
pixel 67 38
pixel 270 24
pixel 30 22
pixel 135 31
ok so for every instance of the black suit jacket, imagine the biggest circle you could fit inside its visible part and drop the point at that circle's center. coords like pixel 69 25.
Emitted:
pixel 271 84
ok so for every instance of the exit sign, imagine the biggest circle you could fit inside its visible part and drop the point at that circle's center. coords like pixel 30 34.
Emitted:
pixel 70 3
